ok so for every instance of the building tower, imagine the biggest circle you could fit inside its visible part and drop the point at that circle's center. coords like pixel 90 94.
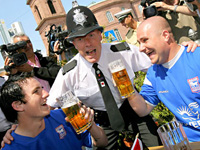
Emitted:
pixel 47 13
pixel 4 32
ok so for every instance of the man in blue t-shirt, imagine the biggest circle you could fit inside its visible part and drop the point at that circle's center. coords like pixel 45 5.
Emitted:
pixel 173 79
pixel 23 99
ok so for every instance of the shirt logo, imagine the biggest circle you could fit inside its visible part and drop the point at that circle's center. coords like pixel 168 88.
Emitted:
pixel 190 114
pixel 194 84
pixel 79 17
pixel 61 131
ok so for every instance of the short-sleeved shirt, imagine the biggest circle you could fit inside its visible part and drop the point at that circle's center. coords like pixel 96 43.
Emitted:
pixel 81 79
pixel 57 135
pixel 131 36
pixel 176 84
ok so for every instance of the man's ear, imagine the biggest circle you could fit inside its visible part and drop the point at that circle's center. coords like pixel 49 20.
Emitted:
pixel 18 105
pixel 166 35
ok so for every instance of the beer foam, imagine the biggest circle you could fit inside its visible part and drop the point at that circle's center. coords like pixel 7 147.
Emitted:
pixel 116 66
pixel 67 99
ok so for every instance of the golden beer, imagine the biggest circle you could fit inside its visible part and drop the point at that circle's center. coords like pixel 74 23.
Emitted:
pixel 77 120
pixel 69 104
pixel 121 78
pixel 123 83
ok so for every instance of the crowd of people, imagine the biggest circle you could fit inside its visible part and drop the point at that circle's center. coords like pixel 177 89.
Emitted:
pixel 29 96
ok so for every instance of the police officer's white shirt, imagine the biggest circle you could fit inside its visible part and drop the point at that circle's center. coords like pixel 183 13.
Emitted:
pixel 82 82
pixel 4 124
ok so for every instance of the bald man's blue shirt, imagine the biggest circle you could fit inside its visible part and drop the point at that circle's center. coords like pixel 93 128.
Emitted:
pixel 176 84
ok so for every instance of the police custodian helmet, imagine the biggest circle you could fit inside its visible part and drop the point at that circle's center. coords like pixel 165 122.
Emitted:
pixel 80 22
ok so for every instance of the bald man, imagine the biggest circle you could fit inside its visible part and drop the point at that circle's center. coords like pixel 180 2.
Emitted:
pixel 172 79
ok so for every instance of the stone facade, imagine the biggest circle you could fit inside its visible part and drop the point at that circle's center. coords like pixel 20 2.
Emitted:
pixel 114 6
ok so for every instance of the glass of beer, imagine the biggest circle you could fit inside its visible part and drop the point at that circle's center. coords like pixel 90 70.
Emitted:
pixel 69 104
pixel 121 78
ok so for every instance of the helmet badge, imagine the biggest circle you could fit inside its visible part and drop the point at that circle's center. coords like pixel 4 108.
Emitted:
pixel 79 17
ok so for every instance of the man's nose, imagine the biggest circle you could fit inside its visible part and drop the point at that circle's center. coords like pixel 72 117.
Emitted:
pixel 87 41
pixel 45 94
pixel 141 47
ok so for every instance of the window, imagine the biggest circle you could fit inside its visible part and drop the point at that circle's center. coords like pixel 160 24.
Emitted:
pixel 50 4
pixel 119 38
pixel 38 12
pixel 122 8
pixel 109 16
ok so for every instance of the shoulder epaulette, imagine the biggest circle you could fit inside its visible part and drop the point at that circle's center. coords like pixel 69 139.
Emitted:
pixel 120 47
pixel 69 66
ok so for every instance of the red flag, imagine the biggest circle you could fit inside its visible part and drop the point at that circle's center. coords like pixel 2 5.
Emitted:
pixel 137 145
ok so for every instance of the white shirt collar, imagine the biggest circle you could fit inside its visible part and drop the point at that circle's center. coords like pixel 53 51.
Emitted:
pixel 171 63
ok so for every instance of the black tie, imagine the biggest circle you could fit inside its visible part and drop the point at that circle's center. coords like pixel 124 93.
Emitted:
pixel 115 117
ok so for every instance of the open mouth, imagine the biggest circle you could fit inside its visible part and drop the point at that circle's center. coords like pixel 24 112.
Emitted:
pixel 149 53
pixel 44 104
pixel 91 52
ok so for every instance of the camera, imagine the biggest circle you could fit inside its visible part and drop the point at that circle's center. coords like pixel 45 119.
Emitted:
pixel 57 34
pixel 150 10
pixel 11 50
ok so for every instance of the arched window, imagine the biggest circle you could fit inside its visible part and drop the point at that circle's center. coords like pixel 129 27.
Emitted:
pixel 51 7
pixel 119 38
pixel 38 12
pixel 109 16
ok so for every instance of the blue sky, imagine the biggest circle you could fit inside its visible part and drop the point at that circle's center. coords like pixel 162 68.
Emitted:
pixel 17 10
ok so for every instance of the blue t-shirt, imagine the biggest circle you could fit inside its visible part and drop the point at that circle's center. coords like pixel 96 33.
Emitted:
pixel 178 88
pixel 57 135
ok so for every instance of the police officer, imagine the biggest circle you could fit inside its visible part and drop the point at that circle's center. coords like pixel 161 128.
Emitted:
pixel 78 75
pixel 125 17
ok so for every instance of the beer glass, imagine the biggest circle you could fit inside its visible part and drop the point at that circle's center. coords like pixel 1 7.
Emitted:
pixel 121 78
pixel 69 104
pixel 173 136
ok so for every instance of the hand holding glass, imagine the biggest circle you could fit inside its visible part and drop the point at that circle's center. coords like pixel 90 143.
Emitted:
pixel 121 78
pixel 69 104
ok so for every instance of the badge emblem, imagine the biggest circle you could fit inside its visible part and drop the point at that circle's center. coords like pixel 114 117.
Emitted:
pixel 102 83
pixel 194 84
pixel 79 17
pixel 61 131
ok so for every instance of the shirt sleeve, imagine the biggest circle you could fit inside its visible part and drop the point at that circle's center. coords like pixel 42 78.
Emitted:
pixel 59 87
pixel 148 93
pixel 86 138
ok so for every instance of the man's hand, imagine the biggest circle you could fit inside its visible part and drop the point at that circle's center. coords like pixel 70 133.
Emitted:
pixel 191 45
pixel 87 112
pixel 8 62
pixel 161 6
pixel 8 138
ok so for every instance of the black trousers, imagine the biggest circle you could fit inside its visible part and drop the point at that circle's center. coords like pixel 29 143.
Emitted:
pixel 145 126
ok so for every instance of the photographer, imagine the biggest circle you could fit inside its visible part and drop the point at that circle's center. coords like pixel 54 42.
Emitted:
pixel 45 69
pixel 58 44
pixel 56 49
pixel 181 16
